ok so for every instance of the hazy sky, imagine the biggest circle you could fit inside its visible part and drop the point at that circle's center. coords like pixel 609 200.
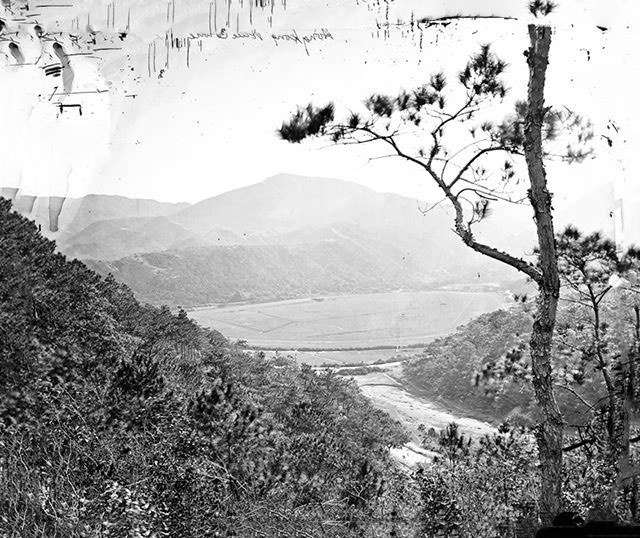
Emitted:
pixel 186 133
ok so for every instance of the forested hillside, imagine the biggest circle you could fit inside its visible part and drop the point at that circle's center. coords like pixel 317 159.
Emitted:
pixel 118 419
pixel 447 368
pixel 483 367
pixel 197 276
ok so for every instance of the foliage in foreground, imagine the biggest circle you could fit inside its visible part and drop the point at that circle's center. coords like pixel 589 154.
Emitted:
pixel 123 420
pixel 596 358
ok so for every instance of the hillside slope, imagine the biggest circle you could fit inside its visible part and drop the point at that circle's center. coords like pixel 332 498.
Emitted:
pixel 117 237
pixel 125 417
pixel 289 236
pixel 196 276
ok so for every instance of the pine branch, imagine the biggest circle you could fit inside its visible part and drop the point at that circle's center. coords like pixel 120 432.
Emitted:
pixel 572 391
pixel 473 159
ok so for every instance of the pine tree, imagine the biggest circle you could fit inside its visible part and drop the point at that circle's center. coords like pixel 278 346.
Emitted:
pixel 462 176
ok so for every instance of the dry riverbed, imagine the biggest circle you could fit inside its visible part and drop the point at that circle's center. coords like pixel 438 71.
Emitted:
pixel 386 392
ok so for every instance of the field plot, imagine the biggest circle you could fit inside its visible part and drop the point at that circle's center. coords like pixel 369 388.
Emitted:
pixel 367 320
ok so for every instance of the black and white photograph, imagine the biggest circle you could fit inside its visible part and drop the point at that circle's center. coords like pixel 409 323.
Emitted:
pixel 319 268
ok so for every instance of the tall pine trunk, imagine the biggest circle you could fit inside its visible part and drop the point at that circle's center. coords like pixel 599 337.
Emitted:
pixel 549 434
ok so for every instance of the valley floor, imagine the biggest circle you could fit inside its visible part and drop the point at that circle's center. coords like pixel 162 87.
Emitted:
pixel 368 320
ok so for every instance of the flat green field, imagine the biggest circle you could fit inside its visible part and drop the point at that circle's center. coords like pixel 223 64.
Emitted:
pixel 367 320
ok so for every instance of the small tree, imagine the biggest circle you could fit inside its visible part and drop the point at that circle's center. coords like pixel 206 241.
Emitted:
pixel 460 171
pixel 484 487
pixel 599 343
pixel 596 359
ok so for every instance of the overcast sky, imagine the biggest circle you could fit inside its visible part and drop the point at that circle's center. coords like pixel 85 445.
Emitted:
pixel 187 133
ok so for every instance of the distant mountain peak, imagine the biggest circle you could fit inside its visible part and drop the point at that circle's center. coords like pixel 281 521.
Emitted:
pixel 289 178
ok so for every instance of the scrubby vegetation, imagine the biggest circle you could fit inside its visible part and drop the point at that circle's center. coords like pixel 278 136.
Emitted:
pixel 119 419
pixel 126 420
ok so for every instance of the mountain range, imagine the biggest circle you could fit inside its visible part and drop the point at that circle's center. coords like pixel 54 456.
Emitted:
pixel 288 236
